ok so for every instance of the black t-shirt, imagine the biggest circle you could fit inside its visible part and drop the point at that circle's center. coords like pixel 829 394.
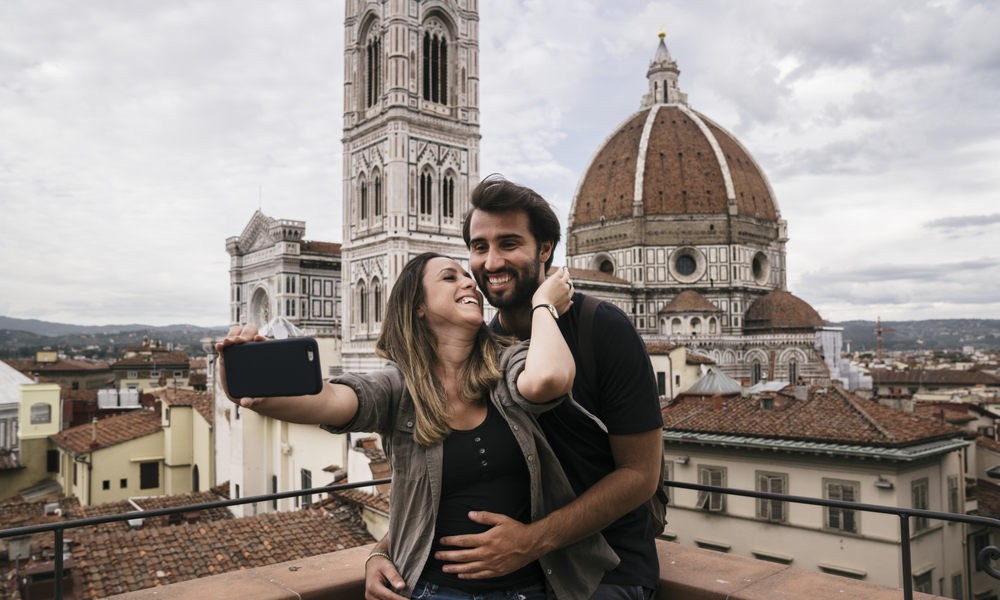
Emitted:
pixel 482 469
pixel 623 394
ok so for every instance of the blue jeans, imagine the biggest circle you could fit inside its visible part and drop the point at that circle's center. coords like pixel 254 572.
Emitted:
pixel 425 590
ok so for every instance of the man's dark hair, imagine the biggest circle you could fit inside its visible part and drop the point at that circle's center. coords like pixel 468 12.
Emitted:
pixel 495 194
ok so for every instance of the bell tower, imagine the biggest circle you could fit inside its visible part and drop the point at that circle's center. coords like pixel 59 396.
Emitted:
pixel 411 149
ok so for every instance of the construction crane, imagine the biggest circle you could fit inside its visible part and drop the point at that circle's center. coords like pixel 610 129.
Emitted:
pixel 878 334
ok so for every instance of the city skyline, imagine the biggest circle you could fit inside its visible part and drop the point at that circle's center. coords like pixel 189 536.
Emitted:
pixel 138 139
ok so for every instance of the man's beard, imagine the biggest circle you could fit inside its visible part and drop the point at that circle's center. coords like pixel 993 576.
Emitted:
pixel 525 285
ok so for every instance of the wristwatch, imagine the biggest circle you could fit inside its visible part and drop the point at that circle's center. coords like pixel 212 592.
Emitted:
pixel 552 310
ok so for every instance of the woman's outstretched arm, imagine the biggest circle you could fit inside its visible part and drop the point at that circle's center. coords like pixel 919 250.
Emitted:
pixel 549 368
pixel 335 405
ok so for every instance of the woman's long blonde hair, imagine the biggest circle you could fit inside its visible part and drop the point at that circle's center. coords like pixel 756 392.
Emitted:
pixel 406 339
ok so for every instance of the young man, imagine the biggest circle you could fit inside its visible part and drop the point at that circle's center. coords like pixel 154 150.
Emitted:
pixel 511 233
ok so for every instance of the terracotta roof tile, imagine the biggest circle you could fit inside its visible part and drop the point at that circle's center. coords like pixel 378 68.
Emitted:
pixel 198 363
pixel 689 301
pixel 378 502
pixel 222 489
pixel 987 499
pixel 987 443
pixel 956 377
pixel 125 561
pixel 697 359
pixel 828 415
pixel 200 400
pixel 320 248
pixel 153 503
pixel 198 379
pixel 30 365
pixel 110 431
pixel 89 396
pixel 165 359
pixel 24 514
pixel 660 348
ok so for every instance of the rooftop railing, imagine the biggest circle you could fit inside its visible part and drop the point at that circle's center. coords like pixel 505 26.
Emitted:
pixel 983 558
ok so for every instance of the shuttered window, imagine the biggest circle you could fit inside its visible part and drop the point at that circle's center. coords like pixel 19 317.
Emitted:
pixel 775 483
pixel 716 476
pixel 842 519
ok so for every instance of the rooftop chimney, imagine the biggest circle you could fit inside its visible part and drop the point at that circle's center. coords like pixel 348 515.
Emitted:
pixel 93 439
pixel 745 388
pixel 717 403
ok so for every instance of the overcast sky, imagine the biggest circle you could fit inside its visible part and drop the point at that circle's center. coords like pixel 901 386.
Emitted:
pixel 135 137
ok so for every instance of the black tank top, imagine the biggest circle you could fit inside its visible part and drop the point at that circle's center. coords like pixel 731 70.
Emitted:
pixel 484 469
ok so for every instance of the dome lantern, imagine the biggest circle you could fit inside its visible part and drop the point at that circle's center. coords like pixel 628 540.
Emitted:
pixel 662 75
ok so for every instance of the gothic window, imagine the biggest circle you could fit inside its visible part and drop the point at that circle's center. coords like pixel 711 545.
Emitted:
pixel 364 199
pixel 435 68
pixel 448 197
pixel 293 285
pixel 377 293
pixel 377 200
pixel 756 373
pixel 426 181
pixel 793 372
pixel 362 302
pixel 373 52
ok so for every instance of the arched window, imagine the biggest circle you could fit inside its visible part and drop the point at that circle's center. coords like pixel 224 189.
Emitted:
pixel 756 376
pixel 373 53
pixel 237 293
pixel 695 326
pixel 675 326
pixel 793 372
pixel 426 182
pixel 288 308
pixel 712 326
pixel 448 197
pixel 293 285
pixel 364 200
pixel 377 293
pixel 195 480
pixel 435 68
pixel 362 302
pixel 378 196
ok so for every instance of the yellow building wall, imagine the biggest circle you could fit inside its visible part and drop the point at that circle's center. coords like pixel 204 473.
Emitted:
pixel 202 451
pixel 38 393
pixel 177 434
pixel 35 459
pixel 118 462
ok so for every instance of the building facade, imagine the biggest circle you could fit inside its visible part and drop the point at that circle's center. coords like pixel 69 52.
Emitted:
pixel 675 222
pixel 411 149
pixel 274 272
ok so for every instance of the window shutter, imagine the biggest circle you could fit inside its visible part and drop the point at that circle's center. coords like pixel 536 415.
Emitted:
pixel 715 497
pixel 762 506
pixel 703 495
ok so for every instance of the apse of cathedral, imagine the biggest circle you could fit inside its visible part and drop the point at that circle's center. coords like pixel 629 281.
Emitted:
pixel 675 222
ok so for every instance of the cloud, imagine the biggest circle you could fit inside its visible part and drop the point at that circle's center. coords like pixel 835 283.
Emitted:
pixel 965 221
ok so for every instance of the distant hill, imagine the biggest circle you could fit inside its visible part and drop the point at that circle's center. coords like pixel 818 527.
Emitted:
pixel 931 334
pixel 57 329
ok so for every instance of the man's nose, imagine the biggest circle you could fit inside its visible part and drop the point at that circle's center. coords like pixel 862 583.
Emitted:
pixel 493 260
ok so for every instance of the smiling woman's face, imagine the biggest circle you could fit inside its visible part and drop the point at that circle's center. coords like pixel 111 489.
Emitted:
pixel 451 299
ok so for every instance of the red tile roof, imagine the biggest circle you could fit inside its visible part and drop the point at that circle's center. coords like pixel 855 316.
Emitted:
pixel 987 499
pixel 955 377
pixel 689 301
pixel 201 401
pixel 222 489
pixel 89 396
pixel 987 443
pixel 25 514
pixel 329 248
pixel 697 359
pixel 125 561
pixel 165 359
pixel 110 431
pixel 29 365
pixel 379 503
pixel 660 348
pixel 828 415
pixel 198 379
pixel 153 503
pixel 198 363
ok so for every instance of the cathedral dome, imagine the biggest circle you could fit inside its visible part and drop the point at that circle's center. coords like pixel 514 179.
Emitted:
pixel 674 161
pixel 781 312
pixel 671 160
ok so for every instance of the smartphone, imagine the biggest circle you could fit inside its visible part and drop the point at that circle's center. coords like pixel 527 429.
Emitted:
pixel 288 367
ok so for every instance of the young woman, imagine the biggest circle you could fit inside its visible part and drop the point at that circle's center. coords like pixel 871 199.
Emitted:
pixel 454 409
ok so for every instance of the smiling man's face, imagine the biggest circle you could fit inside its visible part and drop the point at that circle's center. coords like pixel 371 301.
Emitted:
pixel 505 259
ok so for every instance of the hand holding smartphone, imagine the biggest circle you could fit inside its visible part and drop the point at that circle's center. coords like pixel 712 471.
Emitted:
pixel 270 368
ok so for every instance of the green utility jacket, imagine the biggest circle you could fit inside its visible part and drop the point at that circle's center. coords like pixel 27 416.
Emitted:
pixel 385 406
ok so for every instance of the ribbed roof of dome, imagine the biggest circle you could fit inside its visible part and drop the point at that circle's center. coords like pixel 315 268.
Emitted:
pixel 781 311
pixel 677 161
pixel 689 301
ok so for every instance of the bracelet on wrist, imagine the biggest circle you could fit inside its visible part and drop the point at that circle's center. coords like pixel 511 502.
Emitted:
pixel 377 553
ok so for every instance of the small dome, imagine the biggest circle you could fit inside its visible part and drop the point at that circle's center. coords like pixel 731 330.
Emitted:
pixel 689 301
pixel 675 161
pixel 780 311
